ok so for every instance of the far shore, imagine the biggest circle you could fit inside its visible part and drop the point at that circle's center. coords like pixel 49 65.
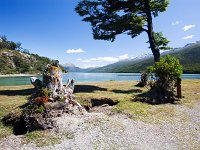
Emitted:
pixel 19 75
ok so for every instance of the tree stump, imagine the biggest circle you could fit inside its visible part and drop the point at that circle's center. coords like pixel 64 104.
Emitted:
pixel 52 80
pixel 51 99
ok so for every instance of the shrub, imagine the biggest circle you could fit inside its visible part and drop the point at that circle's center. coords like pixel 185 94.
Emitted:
pixel 144 79
pixel 45 92
pixel 165 73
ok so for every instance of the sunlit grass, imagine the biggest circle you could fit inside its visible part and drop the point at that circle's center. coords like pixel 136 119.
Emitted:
pixel 121 92
pixel 42 138
pixel 124 93
pixel 8 104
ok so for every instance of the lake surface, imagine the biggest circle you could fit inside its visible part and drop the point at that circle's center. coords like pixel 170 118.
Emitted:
pixel 86 77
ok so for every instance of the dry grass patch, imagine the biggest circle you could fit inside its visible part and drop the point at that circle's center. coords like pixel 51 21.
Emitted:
pixel 191 92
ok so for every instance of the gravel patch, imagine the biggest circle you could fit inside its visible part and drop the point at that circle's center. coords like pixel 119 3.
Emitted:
pixel 104 132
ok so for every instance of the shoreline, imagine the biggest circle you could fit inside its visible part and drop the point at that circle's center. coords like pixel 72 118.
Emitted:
pixel 19 75
pixel 97 82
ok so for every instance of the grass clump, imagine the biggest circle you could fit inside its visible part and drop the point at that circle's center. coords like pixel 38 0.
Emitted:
pixel 35 107
pixel 5 131
pixel 136 110
pixel 11 98
pixel 42 138
pixel 68 135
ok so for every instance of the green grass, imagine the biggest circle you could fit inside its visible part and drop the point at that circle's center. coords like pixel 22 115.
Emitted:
pixel 42 138
pixel 137 110
pixel 10 102
pixel 5 131
pixel 122 92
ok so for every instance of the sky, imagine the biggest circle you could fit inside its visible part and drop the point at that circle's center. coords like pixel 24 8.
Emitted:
pixel 52 28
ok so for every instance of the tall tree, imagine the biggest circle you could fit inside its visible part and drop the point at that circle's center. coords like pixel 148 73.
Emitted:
pixel 109 18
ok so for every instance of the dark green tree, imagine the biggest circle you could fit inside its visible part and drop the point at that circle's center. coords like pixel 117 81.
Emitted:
pixel 12 45
pixel 109 18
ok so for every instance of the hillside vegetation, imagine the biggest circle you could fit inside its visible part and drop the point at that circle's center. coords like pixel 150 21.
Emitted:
pixel 15 59
pixel 189 57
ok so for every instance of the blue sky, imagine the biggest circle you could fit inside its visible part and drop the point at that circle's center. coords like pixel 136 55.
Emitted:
pixel 52 28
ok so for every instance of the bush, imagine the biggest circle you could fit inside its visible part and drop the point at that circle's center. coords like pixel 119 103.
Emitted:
pixel 165 73
pixel 144 79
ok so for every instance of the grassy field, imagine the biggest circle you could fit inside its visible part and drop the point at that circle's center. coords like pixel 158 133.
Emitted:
pixel 121 93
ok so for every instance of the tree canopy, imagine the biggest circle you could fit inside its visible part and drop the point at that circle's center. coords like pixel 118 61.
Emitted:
pixel 109 18
pixel 4 43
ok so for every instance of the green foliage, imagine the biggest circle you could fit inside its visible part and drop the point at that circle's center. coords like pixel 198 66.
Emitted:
pixel 161 41
pixel 14 61
pixel 109 18
pixel 21 65
pixel 40 109
pixel 166 73
pixel 144 79
pixel 35 107
pixel 44 92
pixel 4 43
pixel 168 67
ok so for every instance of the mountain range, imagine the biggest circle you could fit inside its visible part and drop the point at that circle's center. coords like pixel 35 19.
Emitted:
pixel 189 57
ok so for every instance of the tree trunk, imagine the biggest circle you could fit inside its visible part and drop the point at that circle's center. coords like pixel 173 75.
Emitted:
pixel 155 51
pixel 52 80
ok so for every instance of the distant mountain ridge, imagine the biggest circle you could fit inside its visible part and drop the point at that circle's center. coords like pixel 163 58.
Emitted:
pixel 69 67
pixel 189 57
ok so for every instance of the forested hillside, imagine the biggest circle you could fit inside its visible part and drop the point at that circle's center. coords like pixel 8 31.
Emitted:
pixel 15 59
pixel 189 57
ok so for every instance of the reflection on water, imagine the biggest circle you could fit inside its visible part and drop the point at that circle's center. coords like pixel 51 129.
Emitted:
pixel 86 77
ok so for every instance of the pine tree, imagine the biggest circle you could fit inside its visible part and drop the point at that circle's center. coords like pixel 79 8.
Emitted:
pixel 110 18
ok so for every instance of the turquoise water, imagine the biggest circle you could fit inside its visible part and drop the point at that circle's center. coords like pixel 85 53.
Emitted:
pixel 86 77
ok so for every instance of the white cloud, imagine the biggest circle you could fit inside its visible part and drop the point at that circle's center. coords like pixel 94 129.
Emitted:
pixel 176 23
pixel 73 51
pixel 86 61
pixel 79 59
pixel 122 57
pixel 108 59
pixel 185 28
pixel 188 37
pixel 104 59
